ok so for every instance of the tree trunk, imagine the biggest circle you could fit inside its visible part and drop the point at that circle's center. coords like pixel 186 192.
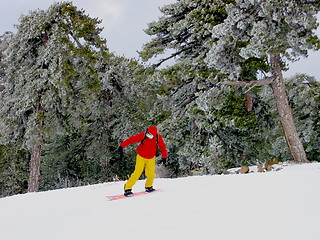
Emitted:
pixel 295 146
pixel 33 185
pixel 248 102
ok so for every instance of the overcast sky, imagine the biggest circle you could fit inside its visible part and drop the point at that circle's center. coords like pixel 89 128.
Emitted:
pixel 124 22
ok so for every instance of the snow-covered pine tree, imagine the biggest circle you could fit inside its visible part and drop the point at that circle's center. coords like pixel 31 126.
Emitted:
pixel 177 31
pixel 51 83
pixel 300 88
pixel 306 113
pixel 275 31
pixel 188 93
pixel 304 99
pixel 13 167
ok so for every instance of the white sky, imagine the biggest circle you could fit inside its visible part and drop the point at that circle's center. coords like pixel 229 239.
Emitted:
pixel 124 22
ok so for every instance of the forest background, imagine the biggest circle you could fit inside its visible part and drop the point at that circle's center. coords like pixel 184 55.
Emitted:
pixel 67 101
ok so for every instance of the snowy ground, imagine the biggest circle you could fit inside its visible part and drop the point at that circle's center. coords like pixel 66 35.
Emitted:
pixel 277 205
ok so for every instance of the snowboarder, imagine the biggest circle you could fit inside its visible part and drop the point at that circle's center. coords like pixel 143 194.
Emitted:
pixel 150 141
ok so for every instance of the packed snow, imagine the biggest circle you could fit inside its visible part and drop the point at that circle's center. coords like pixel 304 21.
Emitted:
pixel 275 205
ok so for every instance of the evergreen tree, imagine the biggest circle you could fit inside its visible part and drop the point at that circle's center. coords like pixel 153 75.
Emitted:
pixel 219 129
pixel 226 40
pixel 188 93
pixel 303 94
pixel 273 31
pixel 51 82
pixel 304 98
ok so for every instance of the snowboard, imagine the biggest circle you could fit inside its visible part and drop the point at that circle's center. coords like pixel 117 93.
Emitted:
pixel 117 197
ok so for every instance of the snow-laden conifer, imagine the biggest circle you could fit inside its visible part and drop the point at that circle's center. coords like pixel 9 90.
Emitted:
pixel 245 41
pixel 275 31
pixel 51 84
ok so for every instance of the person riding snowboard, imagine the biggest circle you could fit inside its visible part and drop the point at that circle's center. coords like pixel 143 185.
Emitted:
pixel 150 141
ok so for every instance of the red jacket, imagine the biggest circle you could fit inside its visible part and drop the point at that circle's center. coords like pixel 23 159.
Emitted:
pixel 148 148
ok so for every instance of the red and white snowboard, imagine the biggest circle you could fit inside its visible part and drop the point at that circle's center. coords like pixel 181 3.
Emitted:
pixel 117 197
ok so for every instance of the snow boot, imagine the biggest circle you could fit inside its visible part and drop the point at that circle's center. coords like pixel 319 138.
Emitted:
pixel 128 193
pixel 150 189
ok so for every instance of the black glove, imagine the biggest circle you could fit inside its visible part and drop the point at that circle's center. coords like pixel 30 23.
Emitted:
pixel 120 150
pixel 163 161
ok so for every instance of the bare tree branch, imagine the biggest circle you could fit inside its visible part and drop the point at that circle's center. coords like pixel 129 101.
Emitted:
pixel 262 82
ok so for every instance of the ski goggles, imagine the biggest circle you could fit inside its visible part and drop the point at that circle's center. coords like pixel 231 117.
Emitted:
pixel 149 135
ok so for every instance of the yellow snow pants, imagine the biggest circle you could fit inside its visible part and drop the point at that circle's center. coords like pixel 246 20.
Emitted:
pixel 148 165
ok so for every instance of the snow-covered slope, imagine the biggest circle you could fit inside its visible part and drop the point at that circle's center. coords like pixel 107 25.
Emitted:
pixel 276 205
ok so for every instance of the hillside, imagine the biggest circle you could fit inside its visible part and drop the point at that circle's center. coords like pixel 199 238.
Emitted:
pixel 275 205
